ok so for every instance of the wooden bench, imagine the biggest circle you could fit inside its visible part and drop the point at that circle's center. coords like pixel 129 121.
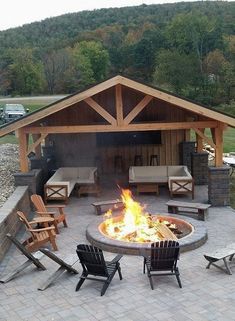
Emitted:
pixel 173 207
pixel 98 205
pixel 221 254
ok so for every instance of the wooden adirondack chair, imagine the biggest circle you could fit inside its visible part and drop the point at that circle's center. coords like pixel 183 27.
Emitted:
pixel 38 237
pixel 43 210
pixel 93 263
pixel 163 260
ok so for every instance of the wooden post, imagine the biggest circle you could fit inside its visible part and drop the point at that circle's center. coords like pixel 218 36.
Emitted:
pixel 200 142
pixel 218 139
pixel 119 105
pixel 23 144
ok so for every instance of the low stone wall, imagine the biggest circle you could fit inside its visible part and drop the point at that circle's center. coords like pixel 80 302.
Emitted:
pixel 9 222
pixel 35 179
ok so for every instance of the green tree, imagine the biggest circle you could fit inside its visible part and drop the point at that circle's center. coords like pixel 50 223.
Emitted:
pixel 177 72
pixel 229 69
pixel 195 33
pixel 144 52
pixel 56 64
pixel 91 54
pixel 26 74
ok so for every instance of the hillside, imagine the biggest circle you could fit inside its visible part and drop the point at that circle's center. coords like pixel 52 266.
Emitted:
pixel 187 48
pixel 66 29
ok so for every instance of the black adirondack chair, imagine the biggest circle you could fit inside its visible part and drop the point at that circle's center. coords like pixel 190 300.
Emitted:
pixel 162 260
pixel 93 263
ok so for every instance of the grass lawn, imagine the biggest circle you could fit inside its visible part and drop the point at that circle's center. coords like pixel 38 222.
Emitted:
pixel 229 140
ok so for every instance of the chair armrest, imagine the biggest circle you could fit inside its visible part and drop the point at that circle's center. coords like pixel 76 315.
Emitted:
pixel 41 220
pixel 36 230
pixel 55 206
pixel 93 174
pixel 46 213
pixel 180 178
pixel 116 259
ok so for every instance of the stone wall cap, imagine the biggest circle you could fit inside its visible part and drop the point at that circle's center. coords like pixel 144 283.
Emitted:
pixel 200 154
pixel 31 174
pixel 223 168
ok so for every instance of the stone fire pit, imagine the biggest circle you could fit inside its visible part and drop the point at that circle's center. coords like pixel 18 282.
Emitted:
pixel 194 235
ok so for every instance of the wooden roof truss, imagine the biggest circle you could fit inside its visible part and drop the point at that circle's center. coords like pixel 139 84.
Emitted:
pixel 119 122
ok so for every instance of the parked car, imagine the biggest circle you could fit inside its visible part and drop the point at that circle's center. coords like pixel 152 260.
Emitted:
pixel 11 112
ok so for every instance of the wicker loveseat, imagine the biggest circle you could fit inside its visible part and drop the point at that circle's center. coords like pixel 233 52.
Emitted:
pixel 61 184
pixel 177 177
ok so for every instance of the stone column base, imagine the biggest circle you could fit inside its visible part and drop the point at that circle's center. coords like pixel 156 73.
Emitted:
pixel 218 186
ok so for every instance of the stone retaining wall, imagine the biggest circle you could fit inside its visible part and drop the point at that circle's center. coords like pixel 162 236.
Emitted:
pixel 9 222
pixel 35 179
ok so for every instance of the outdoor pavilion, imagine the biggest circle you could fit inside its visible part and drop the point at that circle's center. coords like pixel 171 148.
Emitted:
pixel 71 127
pixel 206 294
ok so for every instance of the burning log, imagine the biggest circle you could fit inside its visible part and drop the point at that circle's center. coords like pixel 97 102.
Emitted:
pixel 166 232
pixel 135 225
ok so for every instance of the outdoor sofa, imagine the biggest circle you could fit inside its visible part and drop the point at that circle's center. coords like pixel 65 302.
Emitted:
pixel 61 184
pixel 177 177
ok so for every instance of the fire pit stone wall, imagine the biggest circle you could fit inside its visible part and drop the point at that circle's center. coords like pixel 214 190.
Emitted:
pixel 193 240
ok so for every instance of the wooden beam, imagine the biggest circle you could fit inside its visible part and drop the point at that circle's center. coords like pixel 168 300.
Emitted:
pixel 24 166
pixel 137 109
pixel 117 80
pixel 100 110
pixel 177 101
pixel 207 139
pixel 37 142
pixel 38 151
pixel 116 128
pixel 61 104
pixel 119 104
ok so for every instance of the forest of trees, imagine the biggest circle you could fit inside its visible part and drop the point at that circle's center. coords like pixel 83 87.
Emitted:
pixel 185 48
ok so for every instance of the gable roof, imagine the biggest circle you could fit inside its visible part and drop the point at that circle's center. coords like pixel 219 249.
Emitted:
pixel 133 84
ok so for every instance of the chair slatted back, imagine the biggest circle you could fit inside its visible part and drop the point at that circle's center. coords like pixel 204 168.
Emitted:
pixel 92 260
pixel 23 219
pixel 164 255
pixel 38 203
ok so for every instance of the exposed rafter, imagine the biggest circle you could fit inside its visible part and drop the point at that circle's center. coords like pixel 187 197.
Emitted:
pixel 33 146
pixel 204 137
pixel 137 109
pixel 118 82
pixel 100 110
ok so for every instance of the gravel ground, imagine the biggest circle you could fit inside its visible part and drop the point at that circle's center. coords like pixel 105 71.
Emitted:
pixel 9 164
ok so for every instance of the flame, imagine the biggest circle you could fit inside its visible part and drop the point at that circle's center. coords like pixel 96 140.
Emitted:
pixel 136 225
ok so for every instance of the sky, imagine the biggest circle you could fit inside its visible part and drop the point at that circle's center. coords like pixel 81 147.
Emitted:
pixel 15 13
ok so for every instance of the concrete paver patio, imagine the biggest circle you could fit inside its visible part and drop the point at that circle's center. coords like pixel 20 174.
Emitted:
pixel 206 294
